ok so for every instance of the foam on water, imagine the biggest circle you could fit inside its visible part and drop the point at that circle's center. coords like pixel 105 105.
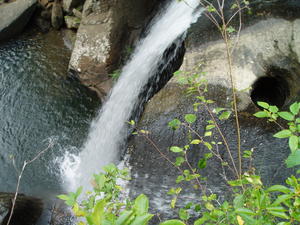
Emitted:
pixel 108 130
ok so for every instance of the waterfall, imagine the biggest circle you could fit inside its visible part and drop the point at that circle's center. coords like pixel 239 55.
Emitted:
pixel 108 130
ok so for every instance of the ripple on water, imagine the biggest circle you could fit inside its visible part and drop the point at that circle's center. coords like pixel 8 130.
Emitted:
pixel 37 101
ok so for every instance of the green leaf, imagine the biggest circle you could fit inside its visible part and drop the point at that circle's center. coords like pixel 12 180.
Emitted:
pixel 244 211
pixel 172 222
pixel 230 29
pixel 63 197
pixel 273 109
pixel 294 108
pixel 183 214
pixel 202 163
pixel 141 205
pixel 279 188
pixel 201 220
pixel 225 115
pixel 142 220
pixel 124 217
pixel 287 116
pixel 283 134
pixel 174 124
pixel 190 118
pixel 280 199
pixel 98 213
pixel 238 201
pixel 217 110
pixel 279 214
pixel 208 145
pixel 179 179
pixel 179 161
pixel 209 127
pixel 263 105
pixel 195 142
pixel 293 143
pixel 261 114
pixel 293 159
pixel 176 149
pixel 207 134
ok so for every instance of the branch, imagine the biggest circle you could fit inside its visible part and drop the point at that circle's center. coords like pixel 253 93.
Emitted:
pixel 50 145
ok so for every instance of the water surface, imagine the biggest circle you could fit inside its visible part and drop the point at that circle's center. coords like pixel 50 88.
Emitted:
pixel 38 102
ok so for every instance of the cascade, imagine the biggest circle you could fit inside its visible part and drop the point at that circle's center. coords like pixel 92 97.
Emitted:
pixel 109 129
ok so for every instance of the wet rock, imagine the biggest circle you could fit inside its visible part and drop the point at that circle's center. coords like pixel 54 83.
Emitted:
pixel 72 22
pixel 14 17
pixel 77 13
pixel 27 209
pixel 69 5
pixel 103 34
pixel 69 37
pixel 57 15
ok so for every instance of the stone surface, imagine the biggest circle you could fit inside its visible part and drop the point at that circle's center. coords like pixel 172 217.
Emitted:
pixel 14 17
pixel 105 31
pixel 72 22
pixel 68 5
pixel 266 43
pixel 26 212
pixel 57 15
pixel 269 42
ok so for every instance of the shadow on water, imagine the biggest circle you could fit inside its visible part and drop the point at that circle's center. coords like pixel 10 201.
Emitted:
pixel 38 102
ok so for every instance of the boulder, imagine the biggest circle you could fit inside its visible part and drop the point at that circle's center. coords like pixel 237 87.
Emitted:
pixel 106 29
pixel 57 15
pixel 27 209
pixel 72 22
pixel 14 17
pixel 69 5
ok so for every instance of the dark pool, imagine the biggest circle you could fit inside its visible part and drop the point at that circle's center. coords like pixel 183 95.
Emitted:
pixel 38 102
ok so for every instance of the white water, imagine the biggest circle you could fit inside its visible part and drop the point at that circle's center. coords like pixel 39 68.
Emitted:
pixel 108 130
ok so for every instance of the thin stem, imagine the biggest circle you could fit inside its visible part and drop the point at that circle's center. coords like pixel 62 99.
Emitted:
pixel 229 59
pixel 19 179
pixel 160 152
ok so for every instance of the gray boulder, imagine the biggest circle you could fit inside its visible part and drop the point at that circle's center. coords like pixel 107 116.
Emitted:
pixel 14 17
pixel 68 5
pixel 57 15
pixel 106 29
pixel 72 22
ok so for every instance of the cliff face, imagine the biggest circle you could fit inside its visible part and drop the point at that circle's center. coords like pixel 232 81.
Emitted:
pixel 108 29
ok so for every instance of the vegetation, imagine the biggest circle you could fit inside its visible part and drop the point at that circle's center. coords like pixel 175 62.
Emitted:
pixel 250 203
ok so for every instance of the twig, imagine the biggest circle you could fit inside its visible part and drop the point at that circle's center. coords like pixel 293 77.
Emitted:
pixel 20 176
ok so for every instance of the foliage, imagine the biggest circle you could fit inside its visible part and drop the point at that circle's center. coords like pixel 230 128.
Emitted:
pixel 104 205
pixel 291 132
pixel 251 202
pixel 115 75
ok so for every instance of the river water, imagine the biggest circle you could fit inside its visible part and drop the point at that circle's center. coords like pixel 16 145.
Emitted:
pixel 38 102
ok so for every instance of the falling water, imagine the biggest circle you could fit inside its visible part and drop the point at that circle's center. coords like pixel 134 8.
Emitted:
pixel 108 130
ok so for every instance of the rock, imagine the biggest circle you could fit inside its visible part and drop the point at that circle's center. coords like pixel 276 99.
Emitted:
pixel 57 15
pixel 72 22
pixel 266 44
pixel 27 209
pixel 14 17
pixel 68 5
pixel 69 37
pixel 77 13
pixel 103 34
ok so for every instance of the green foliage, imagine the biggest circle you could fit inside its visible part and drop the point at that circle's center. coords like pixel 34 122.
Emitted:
pixel 292 118
pixel 104 204
pixel 115 75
